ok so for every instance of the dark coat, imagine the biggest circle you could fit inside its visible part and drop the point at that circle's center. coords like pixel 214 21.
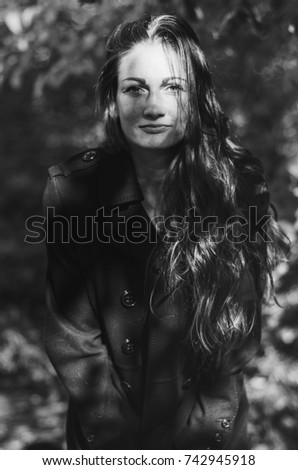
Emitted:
pixel 123 366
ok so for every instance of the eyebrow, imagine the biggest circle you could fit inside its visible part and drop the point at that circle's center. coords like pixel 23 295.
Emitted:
pixel 143 82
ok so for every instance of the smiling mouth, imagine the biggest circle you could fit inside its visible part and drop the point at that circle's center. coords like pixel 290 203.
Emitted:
pixel 154 128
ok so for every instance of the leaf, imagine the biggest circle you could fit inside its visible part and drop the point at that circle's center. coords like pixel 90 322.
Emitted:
pixel 13 21
pixel 29 14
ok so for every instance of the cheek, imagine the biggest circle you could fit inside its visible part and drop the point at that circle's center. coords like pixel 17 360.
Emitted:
pixel 128 111
pixel 178 109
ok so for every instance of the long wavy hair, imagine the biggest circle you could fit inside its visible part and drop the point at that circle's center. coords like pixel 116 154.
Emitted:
pixel 212 177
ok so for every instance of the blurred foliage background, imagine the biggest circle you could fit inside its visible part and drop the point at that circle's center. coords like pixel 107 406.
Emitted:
pixel 51 53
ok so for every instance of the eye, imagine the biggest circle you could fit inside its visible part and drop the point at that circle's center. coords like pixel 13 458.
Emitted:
pixel 174 88
pixel 134 90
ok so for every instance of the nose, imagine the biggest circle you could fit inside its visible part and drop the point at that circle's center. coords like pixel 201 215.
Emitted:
pixel 154 107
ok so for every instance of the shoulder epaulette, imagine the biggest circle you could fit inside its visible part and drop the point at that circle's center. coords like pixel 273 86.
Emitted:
pixel 78 162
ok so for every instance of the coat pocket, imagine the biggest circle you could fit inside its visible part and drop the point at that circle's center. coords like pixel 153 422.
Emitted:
pixel 218 417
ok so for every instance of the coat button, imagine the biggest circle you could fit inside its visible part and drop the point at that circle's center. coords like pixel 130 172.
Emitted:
pixel 226 423
pixel 217 437
pixel 187 384
pixel 91 439
pixel 127 387
pixel 128 347
pixel 128 299
pixel 89 156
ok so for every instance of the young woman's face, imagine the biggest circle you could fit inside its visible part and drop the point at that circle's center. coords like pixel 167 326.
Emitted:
pixel 152 97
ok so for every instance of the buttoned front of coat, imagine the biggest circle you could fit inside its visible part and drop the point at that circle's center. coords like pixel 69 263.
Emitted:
pixel 122 358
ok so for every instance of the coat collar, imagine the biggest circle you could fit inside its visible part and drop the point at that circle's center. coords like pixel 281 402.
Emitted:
pixel 119 184
pixel 119 189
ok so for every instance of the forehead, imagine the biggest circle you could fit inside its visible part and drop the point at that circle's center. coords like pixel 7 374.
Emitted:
pixel 151 60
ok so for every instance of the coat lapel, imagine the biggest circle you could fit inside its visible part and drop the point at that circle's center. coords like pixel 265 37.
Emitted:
pixel 125 220
pixel 122 204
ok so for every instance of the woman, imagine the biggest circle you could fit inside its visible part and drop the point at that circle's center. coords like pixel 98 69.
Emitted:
pixel 154 308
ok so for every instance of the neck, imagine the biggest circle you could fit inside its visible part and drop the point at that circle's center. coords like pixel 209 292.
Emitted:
pixel 151 168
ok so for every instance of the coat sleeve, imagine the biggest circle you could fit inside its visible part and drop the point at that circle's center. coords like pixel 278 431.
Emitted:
pixel 75 344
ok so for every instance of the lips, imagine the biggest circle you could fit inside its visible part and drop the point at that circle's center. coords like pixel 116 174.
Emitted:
pixel 155 128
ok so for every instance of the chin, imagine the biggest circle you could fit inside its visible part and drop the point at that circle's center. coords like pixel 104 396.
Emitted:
pixel 154 145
